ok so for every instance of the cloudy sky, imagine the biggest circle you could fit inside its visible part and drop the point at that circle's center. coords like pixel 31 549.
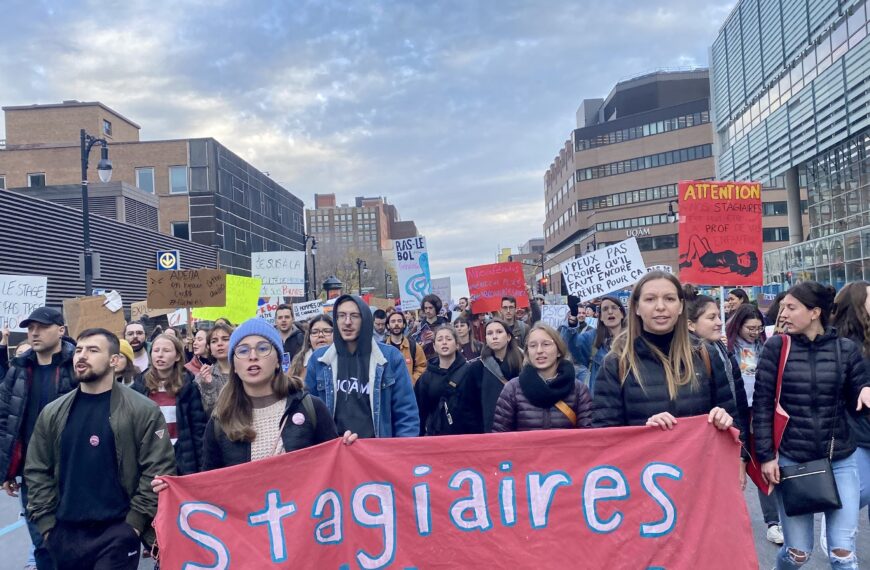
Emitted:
pixel 452 110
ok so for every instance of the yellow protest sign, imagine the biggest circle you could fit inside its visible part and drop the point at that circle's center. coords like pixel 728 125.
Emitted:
pixel 242 296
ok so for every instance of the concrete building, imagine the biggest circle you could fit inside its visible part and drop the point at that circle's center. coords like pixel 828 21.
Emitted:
pixel 205 193
pixel 617 176
pixel 790 104
pixel 370 224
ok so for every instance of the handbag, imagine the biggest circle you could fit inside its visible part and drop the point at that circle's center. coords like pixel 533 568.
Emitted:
pixel 810 487
pixel 780 421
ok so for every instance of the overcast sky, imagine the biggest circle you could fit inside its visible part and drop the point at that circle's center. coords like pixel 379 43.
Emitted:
pixel 451 110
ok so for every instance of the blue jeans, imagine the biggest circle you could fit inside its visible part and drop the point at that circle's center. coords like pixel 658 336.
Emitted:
pixel 842 524
pixel 44 560
pixel 862 457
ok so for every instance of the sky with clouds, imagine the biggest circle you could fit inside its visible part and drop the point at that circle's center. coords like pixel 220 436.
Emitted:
pixel 452 110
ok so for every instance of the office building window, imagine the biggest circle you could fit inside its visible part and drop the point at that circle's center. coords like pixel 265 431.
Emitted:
pixel 36 180
pixel 2 183
pixel 107 127
pixel 178 179
pixel 633 196
pixel 181 230
pixel 640 131
pixel 145 179
pixel 774 234
pixel 645 162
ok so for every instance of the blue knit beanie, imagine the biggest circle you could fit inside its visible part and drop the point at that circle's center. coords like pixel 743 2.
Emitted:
pixel 257 326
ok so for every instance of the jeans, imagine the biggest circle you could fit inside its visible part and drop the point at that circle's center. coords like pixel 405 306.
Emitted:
pixel 43 558
pixel 862 458
pixel 769 508
pixel 842 524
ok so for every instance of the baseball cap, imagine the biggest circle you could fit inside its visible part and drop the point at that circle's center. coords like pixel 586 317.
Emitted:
pixel 43 315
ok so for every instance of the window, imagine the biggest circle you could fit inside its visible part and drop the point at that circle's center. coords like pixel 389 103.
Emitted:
pixel 36 180
pixel 178 180
pixel 181 230
pixel 107 127
pixel 145 179
pixel 2 183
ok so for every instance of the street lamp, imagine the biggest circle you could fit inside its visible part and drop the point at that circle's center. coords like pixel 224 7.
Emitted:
pixel 387 280
pixel 104 169
pixel 360 265
pixel 313 241
pixel 314 266
pixel 592 245
pixel 672 214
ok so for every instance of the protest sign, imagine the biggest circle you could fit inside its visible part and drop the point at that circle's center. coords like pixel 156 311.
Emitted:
pixel 720 233
pixel 282 272
pixel 604 270
pixel 412 268
pixel 554 315
pixel 614 498
pixel 92 313
pixel 242 296
pixel 307 311
pixel 20 295
pixel 381 303
pixel 186 288
pixel 177 318
pixel 664 268
pixel 266 309
pixel 141 309
pixel 487 284
pixel 441 287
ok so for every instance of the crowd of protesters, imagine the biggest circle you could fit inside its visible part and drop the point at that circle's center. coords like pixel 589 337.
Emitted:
pixel 128 411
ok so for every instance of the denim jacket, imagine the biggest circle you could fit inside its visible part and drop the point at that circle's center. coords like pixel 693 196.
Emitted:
pixel 394 407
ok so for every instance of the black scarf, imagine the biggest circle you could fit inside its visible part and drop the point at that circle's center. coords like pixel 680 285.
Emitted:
pixel 543 394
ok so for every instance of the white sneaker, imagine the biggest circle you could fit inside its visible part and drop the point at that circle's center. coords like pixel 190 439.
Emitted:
pixel 774 534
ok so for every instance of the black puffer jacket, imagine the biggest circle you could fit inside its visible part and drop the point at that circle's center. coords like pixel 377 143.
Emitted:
pixel 809 396
pixel 14 391
pixel 190 419
pixel 629 404
pixel 514 411
pixel 434 392
pixel 219 451
pixel 293 343
pixel 859 422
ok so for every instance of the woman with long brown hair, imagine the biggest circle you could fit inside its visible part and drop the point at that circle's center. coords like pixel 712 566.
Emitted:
pixel 654 374
pixel 317 335
pixel 213 377
pixel 171 387
pixel 469 346
pixel 500 360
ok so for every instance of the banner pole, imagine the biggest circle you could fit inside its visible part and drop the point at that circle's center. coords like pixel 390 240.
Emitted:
pixel 722 306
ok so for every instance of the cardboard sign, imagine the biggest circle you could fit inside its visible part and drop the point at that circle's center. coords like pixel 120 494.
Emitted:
pixel 487 284
pixel 91 313
pixel 282 272
pixel 441 287
pixel 267 308
pixel 141 309
pixel 306 311
pixel 554 315
pixel 186 288
pixel 720 233
pixel 242 300
pixel 381 303
pixel 20 295
pixel 605 498
pixel 412 268
pixel 604 270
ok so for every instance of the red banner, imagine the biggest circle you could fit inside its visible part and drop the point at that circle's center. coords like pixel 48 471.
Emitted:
pixel 487 284
pixel 720 233
pixel 606 498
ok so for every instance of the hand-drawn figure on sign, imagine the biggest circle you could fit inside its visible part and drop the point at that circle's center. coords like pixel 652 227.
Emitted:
pixel 726 261
pixel 419 285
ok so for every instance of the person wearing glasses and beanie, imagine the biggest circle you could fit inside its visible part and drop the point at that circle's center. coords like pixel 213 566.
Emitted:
pixel 365 384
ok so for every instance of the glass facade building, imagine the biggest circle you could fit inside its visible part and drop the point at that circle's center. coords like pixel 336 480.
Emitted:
pixel 791 98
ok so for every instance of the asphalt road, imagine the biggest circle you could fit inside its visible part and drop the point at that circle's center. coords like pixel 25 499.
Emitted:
pixel 14 540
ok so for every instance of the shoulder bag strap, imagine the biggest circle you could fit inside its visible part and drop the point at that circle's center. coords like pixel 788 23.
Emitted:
pixel 490 364
pixel 308 404
pixel 278 448
pixel 837 394
pixel 783 358
pixel 569 413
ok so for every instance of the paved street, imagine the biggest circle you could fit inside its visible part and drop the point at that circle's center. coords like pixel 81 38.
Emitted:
pixel 14 540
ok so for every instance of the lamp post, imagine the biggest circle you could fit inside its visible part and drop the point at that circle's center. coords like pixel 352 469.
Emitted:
pixel 313 241
pixel 360 265
pixel 591 246
pixel 387 279
pixel 104 169
pixel 314 266
pixel 672 214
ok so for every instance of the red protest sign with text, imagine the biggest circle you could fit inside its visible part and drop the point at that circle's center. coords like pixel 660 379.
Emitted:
pixel 720 233
pixel 631 497
pixel 487 284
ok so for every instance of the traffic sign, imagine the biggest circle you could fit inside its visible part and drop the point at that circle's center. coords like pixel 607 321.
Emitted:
pixel 169 260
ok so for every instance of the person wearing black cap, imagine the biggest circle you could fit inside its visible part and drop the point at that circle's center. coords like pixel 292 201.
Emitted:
pixel 36 378
pixel 365 383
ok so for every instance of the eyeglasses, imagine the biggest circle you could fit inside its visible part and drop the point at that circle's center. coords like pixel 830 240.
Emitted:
pixel 753 329
pixel 321 332
pixel 547 344
pixel 348 316
pixel 263 349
